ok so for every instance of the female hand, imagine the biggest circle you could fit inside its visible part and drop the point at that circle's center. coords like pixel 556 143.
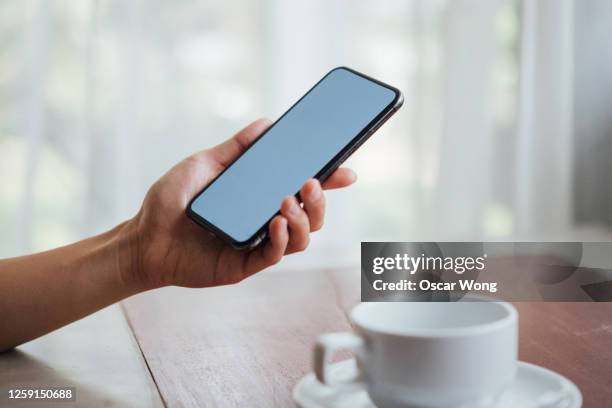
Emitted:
pixel 168 248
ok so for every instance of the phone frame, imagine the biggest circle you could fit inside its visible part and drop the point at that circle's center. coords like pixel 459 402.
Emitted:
pixel 321 175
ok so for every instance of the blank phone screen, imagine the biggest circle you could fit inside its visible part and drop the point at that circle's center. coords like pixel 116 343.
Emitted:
pixel 297 147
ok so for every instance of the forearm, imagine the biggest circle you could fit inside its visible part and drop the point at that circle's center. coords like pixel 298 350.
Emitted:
pixel 42 292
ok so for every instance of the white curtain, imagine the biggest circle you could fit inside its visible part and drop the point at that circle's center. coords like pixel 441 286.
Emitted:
pixel 545 127
pixel 98 98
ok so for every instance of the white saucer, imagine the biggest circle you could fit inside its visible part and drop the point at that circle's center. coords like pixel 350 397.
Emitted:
pixel 535 387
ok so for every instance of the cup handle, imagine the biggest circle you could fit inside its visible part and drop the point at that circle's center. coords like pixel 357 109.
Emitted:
pixel 327 345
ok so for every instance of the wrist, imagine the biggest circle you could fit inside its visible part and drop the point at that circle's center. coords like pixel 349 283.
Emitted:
pixel 127 250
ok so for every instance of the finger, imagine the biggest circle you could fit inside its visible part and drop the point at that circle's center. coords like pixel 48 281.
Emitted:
pixel 229 150
pixel 272 252
pixel 299 226
pixel 343 177
pixel 314 203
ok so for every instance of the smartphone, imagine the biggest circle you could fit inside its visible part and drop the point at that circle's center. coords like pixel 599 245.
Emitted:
pixel 317 134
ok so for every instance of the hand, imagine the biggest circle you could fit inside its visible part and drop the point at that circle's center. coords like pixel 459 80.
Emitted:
pixel 168 248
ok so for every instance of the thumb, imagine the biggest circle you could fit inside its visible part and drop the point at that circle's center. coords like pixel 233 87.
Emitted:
pixel 229 150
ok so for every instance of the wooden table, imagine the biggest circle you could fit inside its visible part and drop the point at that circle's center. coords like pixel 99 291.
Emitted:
pixel 98 356
pixel 248 345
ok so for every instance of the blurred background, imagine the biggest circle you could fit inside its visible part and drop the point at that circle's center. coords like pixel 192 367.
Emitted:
pixel 505 134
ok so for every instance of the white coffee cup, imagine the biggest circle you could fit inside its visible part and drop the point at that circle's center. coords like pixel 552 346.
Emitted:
pixel 426 354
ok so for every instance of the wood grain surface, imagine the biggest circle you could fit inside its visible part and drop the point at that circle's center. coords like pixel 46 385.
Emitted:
pixel 574 339
pixel 98 356
pixel 245 345
pixel 249 344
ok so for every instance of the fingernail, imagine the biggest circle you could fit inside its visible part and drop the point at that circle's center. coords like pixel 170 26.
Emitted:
pixel 294 209
pixel 315 193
